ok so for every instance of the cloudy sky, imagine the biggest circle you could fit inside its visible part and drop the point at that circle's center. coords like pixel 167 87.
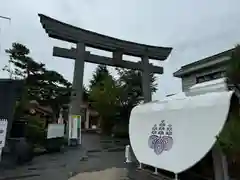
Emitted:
pixel 194 28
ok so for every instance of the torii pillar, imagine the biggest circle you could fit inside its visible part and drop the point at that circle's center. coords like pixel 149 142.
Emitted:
pixel 146 79
pixel 77 91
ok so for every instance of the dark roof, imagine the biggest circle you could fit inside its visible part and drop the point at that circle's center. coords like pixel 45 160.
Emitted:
pixel 14 87
pixel 207 62
pixel 66 32
pixel 34 104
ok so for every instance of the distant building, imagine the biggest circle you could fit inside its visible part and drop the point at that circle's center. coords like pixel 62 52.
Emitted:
pixel 90 117
pixel 206 69
pixel 44 113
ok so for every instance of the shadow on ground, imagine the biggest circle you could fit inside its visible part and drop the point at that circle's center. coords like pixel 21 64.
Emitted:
pixel 98 158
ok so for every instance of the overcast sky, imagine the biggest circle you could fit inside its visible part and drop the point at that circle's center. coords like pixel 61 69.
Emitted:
pixel 194 28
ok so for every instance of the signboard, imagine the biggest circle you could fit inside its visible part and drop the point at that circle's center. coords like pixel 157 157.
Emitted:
pixel 77 119
pixel 55 131
pixel 3 132
pixel 75 126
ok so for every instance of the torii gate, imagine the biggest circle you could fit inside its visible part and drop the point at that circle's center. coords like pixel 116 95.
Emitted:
pixel 82 38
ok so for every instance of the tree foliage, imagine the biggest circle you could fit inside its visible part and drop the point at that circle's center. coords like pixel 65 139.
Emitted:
pixel 104 96
pixel 45 86
pixel 99 75
pixel 132 91
pixel 229 137
pixel 115 98
pixel 233 68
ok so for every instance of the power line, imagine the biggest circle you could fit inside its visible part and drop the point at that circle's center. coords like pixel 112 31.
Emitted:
pixel 5 17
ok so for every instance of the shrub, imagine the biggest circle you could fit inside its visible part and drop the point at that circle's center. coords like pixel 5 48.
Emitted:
pixel 35 132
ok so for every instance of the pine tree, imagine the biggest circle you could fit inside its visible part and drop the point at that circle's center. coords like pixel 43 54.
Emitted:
pixel 99 75
pixel 45 86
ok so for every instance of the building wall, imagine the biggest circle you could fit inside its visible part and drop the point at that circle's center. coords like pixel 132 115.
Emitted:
pixel 89 116
pixel 204 75
pixel 188 81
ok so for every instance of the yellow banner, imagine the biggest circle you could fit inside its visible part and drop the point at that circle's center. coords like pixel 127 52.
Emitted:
pixel 76 116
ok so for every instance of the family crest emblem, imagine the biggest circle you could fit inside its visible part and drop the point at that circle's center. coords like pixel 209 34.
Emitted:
pixel 161 138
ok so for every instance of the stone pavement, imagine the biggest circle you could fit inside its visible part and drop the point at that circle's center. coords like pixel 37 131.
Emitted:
pixel 99 164
pixel 108 174
pixel 57 165
pixel 110 166
pixel 68 165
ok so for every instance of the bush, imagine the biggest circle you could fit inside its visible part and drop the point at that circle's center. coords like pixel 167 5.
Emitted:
pixel 120 130
pixel 24 152
pixel 106 125
pixel 228 139
pixel 54 144
pixel 35 131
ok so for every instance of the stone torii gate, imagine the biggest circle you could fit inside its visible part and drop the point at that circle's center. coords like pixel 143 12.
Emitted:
pixel 82 38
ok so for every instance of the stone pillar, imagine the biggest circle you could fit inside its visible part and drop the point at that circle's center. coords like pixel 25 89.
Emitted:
pixel 146 82
pixel 117 55
pixel 87 119
pixel 77 85
pixel 146 79
pixel 219 164
pixel 225 167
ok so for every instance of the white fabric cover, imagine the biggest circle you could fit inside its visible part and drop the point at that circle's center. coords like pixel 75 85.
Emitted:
pixel 195 121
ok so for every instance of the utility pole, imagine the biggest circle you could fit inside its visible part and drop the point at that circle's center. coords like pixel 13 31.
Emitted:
pixel 5 17
pixel 8 19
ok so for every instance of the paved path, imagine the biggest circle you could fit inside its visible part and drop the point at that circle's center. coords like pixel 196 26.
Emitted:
pixel 109 166
pixel 57 165
pixel 107 174
pixel 100 165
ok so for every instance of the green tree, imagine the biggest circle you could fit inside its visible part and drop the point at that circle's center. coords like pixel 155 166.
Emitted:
pixel 229 137
pixel 45 86
pixel 233 68
pixel 99 75
pixel 114 99
pixel 104 94
pixel 85 94
pixel 132 92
